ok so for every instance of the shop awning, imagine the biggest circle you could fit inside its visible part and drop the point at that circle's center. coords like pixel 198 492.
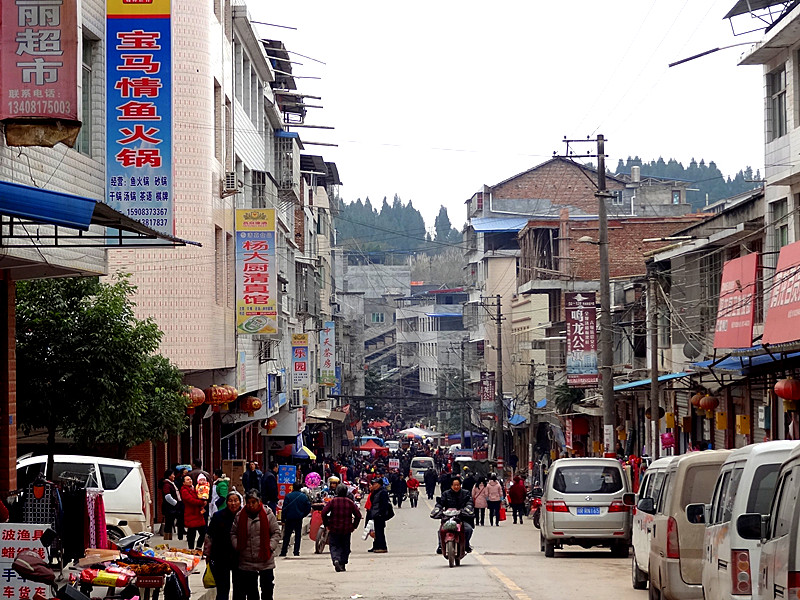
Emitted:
pixel 517 420
pixel 325 414
pixel 32 205
pixel 643 382
pixel 743 365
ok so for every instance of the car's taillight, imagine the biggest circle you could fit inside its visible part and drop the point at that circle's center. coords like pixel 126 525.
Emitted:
pixel 740 573
pixel 673 548
pixel 617 506
pixel 556 506
pixel 793 583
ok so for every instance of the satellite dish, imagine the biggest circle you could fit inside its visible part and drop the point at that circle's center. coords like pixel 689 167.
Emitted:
pixel 692 349
pixel 541 403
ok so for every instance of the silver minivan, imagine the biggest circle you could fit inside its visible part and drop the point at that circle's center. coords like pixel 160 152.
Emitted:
pixel 642 522
pixel 583 505
pixel 746 484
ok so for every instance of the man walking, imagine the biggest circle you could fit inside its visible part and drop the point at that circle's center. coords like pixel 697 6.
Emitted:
pixel 342 517
pixel 269 486
pixel 380 511
pixel 251 480
pixel 296 506
pixel 430 479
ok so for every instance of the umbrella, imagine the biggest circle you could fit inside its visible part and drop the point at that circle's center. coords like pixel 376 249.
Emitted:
pixel 417 432
pixel 289 450
pixel 371 445
pixel 380 423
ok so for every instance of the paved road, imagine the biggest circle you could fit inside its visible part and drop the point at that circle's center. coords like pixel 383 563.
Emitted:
pixel 506 563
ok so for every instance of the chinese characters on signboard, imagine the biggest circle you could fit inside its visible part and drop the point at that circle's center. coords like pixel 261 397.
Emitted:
pixel 139 111
pixel 581 339
pixel 301 376
pixel 327 354
pixel 488 393
pixel 736 294
pixel 14 538
pixel 782 323
pixel 256 299
pixel 39 68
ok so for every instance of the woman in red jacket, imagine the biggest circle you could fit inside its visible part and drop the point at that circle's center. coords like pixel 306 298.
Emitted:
pixel 516 498
pixel 193 514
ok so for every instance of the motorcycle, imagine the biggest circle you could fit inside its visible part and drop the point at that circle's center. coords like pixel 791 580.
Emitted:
pixel 536 506
pixel 451 535
pixel 318 530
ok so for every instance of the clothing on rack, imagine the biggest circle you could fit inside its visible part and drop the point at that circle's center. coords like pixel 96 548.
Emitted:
pixel 72 534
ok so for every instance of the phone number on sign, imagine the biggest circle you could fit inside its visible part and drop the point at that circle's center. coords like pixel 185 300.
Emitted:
pixel 153 222
pixel 147 212
pixel 24 107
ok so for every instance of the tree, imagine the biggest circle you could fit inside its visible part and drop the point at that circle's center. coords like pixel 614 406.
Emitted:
pixel 564 397
pixel 86 366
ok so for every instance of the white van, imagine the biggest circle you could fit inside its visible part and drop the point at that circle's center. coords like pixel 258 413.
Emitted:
pixel 779 534
pixel 642 522
pixel 393 446
pixel 420 464
pixel 746 484
pixel 126 495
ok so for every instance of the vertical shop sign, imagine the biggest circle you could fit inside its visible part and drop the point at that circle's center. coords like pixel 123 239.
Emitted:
pixel 782 322
pixel 256 298
pixel 735 313
pixel 287 474
pixel 39 61
pixel 581 339
pixel 139 111
pixel 301 377
pixel 241 372
pixel 487 394
pixel 327 352
pixel 568 434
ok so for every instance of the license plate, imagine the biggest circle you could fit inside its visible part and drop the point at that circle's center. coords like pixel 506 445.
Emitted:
pixel 588 510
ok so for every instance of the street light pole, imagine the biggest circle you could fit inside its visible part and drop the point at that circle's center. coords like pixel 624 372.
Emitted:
pixel 605 336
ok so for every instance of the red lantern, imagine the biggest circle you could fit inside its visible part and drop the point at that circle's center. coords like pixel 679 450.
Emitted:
pixel 195 397
pixel 708 403
pixel 270 424
pixel 788 389
pixel 250 404
pixel 696 399
pixel 233 393
pixel 217 396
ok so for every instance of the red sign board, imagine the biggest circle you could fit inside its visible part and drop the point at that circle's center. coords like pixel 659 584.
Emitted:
pixel 783 313
pixel 736 294
pixel 581 319
pixel 487 394
pixel 39 64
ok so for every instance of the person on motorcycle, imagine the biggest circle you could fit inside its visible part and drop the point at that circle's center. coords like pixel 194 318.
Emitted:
pixel 459 499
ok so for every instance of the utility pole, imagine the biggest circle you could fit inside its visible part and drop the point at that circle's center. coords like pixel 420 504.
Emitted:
pixel 463 401
pixel 652 324
pixel 605 340
pixel 499 445
pixel 531 403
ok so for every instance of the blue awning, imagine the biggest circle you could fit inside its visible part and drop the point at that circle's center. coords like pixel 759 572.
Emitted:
pixel 742 365
pixel 517 420
pixel 45 206
pixel 643 382
pixel 502 225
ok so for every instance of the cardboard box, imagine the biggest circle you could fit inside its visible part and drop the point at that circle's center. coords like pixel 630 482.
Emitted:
pixel 235 469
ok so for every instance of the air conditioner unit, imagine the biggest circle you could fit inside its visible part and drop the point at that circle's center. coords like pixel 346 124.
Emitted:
pixel 231 185
pixel 296 400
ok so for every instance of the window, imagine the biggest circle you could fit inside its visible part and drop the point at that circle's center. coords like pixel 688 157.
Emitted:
pixel 218 120
pixel 479 200
pixel 616 197
pixel 780 210
pixel 587 480
pixel 762 488
pixel 219 262
pixel 698 484
pixel 783 506
pixel 82 473
pixel 113 475
pixel 676 196
pixel 259 183
pixel 776 92
pixel 84 141
pixel 378 317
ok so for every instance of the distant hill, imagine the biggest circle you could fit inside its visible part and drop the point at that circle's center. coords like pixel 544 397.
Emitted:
pixel 706 178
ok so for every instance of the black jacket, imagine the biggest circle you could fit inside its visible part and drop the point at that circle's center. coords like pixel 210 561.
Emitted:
pixel 269 487
pixel 380 505
pixel 430 478
pixel 399 487
pixel 220 550
pixel 460 500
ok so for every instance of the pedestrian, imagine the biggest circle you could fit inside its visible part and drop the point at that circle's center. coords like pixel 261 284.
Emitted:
pixel 255 536
pixel 516 498
pixel 479 494
pixel 194 510
pixel 413 490
pixel 430 480
pixel 197 470
pixel 445 479
pixel 296 506
pixel 399 489
pixel 170 504
pixel 380 511
pixel 218 550
pixel 251 479
pixel 341 516
pixel 219 492
pixel 269 487
pixel 469 480
pixel 494 496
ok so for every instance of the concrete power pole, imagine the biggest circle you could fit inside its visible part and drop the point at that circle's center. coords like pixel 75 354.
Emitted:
pixel 605 336
pixel 499 445
pixel 652 323
pixel 531 404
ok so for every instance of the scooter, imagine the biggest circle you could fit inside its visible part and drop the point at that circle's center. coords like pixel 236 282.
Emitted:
pixel 451 537
pixel 536 506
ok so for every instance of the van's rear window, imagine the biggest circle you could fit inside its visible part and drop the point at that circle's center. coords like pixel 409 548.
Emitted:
pixel 698 485
pixel 112 475
pixel 587 480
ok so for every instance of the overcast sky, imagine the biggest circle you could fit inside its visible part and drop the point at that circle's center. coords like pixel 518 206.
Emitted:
pixel 431 100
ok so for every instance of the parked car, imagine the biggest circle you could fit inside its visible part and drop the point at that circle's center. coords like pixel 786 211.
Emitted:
pixel 583 506
pixel 126 495
pixel 393 446
pixel 420 464
pixel 642 522
pixel 779 535
pixel 676 545
pixel 746 484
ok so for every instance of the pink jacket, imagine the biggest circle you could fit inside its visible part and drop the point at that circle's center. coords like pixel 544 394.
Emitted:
pixel 494 491
pixel 479 496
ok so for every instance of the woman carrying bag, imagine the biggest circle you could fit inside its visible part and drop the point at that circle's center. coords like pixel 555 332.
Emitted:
pixel 218 550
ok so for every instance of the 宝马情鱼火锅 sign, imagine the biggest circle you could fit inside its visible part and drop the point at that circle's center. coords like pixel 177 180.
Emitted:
pixel 256 299
pixel 139 145
pixel 581 315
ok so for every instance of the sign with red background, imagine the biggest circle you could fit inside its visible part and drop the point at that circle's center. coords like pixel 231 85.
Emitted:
pixel 736 295
pixel 782 323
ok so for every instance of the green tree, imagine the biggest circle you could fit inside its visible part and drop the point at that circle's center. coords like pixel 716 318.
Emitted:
pixel 86 366
pixel 564 397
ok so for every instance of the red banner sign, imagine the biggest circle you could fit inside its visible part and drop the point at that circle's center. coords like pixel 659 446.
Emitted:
pixel 488 393
pixel 39 68
pixel 736 294
pixel 783 314
pixel 581 316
